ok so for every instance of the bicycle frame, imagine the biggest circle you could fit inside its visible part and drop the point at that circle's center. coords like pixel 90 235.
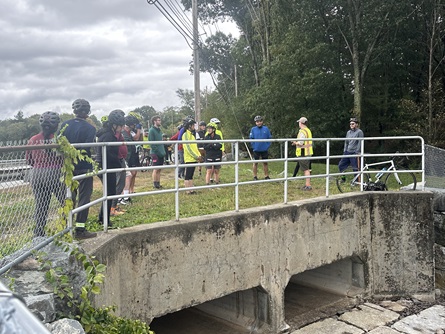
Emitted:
pixel 379 174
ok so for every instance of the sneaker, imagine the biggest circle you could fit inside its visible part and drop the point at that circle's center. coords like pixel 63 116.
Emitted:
pixel 84 234
pixel 125 201
pixel 119 209
pixel 158 187
pixel 306 188
pixel 211 180
pixel 255 178
pixel 115 212
pixel 267 178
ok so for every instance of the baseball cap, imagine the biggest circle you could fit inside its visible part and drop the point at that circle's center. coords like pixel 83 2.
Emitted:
pixel 302 120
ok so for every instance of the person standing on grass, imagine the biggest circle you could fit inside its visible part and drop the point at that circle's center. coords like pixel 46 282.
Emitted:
pixel 191 153
pixel 218 131
pixel 351 147
pixel 200 134
pixel 78 130
pixel 46 172
pixel 213 153
pixel 304 149
pixel 157 150
pixel 116 121
pixel 260 149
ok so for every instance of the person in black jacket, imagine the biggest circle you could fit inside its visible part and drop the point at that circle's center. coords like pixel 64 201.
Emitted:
pixel 213 153
pixel 116 121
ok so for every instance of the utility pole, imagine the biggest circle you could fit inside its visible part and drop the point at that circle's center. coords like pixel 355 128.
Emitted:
pixel 196 60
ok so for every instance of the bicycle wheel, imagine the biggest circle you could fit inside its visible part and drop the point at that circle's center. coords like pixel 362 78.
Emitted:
pixel 346 183
pixel 408 181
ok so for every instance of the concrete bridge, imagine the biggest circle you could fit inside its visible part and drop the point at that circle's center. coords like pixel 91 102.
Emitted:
pixel 238 266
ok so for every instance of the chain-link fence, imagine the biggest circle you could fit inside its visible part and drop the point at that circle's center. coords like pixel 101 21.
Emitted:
pixel 434 167
pixel 31 195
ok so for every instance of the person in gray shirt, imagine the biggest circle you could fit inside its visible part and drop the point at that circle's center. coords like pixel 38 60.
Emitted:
pixel 352 147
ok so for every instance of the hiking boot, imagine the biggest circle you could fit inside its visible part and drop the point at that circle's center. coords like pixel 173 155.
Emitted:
pixel 84 234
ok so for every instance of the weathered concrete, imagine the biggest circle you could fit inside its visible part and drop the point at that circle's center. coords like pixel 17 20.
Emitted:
pixel 387 239
pixel 369 316
pixel 427 321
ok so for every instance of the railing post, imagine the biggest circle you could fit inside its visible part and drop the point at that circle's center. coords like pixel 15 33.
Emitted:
pixel 328 162
pixel 104 188
pixel 236 176
pixel 286 165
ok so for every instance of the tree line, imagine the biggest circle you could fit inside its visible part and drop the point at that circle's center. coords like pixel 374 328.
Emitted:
pixel 382 62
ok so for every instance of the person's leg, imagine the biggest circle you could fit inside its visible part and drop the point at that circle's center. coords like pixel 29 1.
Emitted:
pixel 255 170
pixel 208 174
pixel 266 170
pixel 133 180
pixel 344 163
pixel 42 200
pixel 84 191
pixel 308 180
pixel 216 173
pixel 181 170
pixel 297 167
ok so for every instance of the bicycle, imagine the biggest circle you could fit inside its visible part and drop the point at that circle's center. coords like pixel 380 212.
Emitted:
pixel 144 158
pixel 386 179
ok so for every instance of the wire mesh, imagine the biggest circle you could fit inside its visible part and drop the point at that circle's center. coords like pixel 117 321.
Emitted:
pixel 434 167
pixel 31 194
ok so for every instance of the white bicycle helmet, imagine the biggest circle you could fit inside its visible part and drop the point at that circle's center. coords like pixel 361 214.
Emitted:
pixel 215 120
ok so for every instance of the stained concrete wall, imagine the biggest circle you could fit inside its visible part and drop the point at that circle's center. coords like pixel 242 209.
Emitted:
pixel 160 268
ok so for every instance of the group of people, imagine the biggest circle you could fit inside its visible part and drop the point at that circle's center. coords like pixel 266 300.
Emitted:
pixel 304 148
pixel 118 127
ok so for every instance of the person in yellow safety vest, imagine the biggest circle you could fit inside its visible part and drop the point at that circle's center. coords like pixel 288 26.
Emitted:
pixel 304 148
pixel 191 153
pixel 146 147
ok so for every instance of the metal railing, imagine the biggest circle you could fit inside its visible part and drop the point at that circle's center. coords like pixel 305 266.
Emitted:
pixel 236 182
pixel 17 199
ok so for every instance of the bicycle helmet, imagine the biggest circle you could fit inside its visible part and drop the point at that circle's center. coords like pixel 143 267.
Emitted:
pixel 49 118
pixel 202 123
pixel 81 107
pixel 215 120
pixel 258 118
pixel 131 120
pixel 104 119
pixel 116 117
pixel 353 119
pixel 189 122
pixel 211 125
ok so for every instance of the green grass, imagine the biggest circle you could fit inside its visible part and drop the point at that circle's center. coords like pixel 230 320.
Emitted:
pixel 161 207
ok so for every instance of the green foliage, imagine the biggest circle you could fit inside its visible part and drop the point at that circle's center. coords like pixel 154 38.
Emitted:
pixel 93 320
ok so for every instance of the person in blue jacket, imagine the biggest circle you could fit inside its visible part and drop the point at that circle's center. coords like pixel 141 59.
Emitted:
pixel 260 149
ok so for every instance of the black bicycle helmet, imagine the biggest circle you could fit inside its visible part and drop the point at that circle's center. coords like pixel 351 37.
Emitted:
pixel 49 118
pixel 131 120
pixel 81 107
pixel 202 123
pixel 189 122
pixel 258 118
pixel 116 117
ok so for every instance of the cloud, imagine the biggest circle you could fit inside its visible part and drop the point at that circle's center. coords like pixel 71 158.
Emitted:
pixel 116 54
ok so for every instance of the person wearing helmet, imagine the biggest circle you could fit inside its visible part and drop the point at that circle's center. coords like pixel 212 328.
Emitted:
pixel 157 150
pixel 191 153
pixel 351 147
pixel 131 132
pixel 218 131
pixel 213 153
pixel 260 149
pixel 116 121
pixel 304 149
pixel 79 130
pixel 46 171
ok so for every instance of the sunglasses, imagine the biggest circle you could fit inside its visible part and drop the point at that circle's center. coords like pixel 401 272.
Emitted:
pixel 352 123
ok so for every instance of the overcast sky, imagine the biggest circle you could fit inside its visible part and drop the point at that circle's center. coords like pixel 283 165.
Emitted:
pixel 116 54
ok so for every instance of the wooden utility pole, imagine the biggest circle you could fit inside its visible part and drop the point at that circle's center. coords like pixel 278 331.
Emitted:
pixel 196 60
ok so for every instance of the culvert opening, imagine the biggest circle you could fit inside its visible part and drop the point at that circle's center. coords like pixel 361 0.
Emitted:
pixel 237 313
pixel 323 292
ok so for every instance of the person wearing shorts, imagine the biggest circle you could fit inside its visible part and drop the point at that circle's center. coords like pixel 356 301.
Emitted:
pixel 260 149
pixel 213 153
pixel 304 148
pixel 157 150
